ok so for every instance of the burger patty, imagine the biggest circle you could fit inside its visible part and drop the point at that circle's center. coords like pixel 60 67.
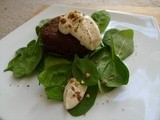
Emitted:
pixel 56 42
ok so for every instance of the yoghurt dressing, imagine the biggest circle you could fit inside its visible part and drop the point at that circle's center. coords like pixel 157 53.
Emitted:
pixel 73 93
pixel 81 27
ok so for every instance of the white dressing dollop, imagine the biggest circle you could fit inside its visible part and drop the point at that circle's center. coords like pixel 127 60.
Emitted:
pixel 73 93
pixel 81 27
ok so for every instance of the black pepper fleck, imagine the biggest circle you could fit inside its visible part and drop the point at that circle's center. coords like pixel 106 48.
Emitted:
pixel 27 85
pixel 17 85
pixel 10 85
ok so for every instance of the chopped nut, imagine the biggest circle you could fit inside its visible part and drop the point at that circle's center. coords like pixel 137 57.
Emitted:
pixel 71 15
pixel 111 77
pixel 103 82
pixel 63 20
pixel 82 82
pixel 88 75
pixel 75 30
pixel 69 26
pixel 71 80
pixel 88 95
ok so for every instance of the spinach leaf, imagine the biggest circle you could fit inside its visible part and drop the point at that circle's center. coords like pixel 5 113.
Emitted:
pixel 19 52
pixel 115 72
pixel 103 88
pixel 41 23
pixel 11 64
pixel 55 92
pixel 112 71
pixel 102 18
pixel 123 43
pixel 100 58
pixel 108 34
pixel 55 60
pixel 54 78
pixel 86 103
pixel 84 69
pixel 54 75
pixel 28 61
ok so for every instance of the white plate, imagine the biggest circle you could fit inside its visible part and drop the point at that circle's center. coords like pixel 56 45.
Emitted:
pixel 140 100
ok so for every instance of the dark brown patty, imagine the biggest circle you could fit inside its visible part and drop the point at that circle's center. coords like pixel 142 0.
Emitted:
pixel 56 42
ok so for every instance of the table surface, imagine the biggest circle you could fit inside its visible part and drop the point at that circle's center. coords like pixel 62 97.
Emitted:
pixel 14 13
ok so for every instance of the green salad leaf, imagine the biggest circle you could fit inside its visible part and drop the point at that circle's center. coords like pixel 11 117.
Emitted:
pixel 103 88
pixel 11 64
pixel 54 78
pixel 102 18
pixel 26 60
pixel 100 56
pixel 112 71
pixel 54 75
pixel 84 69
pixel 115 73
pixel 55 60
pixel 19 52
pixel 41 23
pixel 55 92
pixel 123 43
pixel 108 34
pixel 86 103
